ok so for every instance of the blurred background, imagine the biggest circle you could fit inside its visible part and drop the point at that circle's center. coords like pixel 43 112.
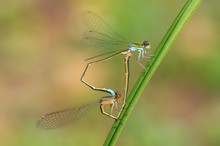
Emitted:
pixel 41 65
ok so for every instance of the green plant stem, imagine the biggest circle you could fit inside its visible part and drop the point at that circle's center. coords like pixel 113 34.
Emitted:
pixel 177 25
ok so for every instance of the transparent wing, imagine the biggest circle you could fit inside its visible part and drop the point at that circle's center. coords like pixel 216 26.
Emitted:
pixel 101 34
pixel 64 117
pixel 96 39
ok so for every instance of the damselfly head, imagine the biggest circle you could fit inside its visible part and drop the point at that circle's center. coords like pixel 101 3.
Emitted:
pixel 146 44
pixel 117 95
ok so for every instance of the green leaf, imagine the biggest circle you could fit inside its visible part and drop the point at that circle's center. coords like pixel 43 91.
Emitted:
pixel 172 33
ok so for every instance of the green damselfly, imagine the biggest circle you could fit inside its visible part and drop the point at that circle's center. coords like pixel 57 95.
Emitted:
pixel 101 35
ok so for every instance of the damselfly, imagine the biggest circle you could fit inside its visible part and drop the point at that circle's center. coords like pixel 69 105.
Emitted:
pixel 67 116
pixel 101 35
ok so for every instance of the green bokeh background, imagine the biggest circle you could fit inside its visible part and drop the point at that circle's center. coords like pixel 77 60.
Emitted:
pixel 40 68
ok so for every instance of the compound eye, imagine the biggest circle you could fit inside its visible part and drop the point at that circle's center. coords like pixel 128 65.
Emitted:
pixel 117 93
pixel 146 43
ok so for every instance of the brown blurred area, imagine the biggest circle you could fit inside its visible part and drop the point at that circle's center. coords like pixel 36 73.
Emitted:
pixel 41 64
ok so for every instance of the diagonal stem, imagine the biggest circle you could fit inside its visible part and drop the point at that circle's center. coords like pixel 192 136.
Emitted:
pixel 172 33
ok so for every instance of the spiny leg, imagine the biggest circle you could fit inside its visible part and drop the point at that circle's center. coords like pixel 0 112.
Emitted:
pixel 147 55
pixel 138 60
pixel 107 114
pixel 116 117
pixel 111 103
pixel 112 106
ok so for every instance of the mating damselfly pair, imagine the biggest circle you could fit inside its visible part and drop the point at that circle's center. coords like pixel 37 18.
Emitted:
pixel 100 35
